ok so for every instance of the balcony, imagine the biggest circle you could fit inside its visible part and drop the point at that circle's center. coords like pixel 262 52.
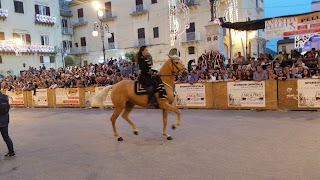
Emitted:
pixel 141 42
pixel 3 14
pixel 79 50
pixel 28 49
pixel 45 20
pixel 80 22
pixel 192 3
pixel 139 10
pixel 112 45
pixel 190 37
pixel 109 16
pixel 65 13
pixel 67 30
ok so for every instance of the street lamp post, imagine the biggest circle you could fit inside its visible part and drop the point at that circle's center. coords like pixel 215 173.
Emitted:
pixel 102 28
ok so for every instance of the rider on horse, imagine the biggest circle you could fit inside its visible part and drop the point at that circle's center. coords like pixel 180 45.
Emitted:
pixel 148 77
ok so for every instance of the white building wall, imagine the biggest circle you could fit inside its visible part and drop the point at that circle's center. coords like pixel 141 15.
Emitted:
pixel 25 23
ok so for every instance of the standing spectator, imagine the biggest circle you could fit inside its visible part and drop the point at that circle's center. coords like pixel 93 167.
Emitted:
pixel 4 124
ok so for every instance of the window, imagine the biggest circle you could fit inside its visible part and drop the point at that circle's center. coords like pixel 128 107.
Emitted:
pixel 107 6
pixel 64 23
pixel 191 50
pixel 153 1
pixel 80 13
pixel 1 60
pixel 1 35
pixel 0 3
pixel 41 59
pixel 156 32
pixel 141 34
pixel 52 59
pixel 83 42
pixel 45 40
pixel 76 44
pixel 25 38
pixel 42 10
pixel 67 45
pixel 18 7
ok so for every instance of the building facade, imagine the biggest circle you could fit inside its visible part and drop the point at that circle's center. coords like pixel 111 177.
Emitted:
pixel 30 31
pixel 51 30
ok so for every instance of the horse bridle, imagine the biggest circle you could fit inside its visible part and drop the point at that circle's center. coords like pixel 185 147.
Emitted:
pixel 172 70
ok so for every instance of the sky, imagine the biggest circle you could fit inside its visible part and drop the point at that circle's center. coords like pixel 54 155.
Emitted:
pixel 274 8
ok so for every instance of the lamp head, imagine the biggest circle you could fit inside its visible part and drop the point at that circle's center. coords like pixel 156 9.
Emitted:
pixel 94 33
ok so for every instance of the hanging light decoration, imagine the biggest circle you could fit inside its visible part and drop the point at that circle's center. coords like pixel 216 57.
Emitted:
pixel 176 26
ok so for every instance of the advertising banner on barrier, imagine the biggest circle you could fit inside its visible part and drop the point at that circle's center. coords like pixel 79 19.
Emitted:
pixel 292 26
pixel 246 94
pixel 90 94
pixel 67 96
pixel 191 94
pixel 40 97
pixel 309 93
pixel 15 98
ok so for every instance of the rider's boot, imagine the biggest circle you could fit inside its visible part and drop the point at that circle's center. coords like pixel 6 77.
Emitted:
pixel 151 99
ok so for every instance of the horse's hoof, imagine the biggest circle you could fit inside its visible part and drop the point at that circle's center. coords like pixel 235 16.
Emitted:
pixel 136 133
pixel 120 139
pixel 169 138
pixel 173 127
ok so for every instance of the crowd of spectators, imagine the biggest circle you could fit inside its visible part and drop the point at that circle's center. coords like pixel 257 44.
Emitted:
pixel 281 67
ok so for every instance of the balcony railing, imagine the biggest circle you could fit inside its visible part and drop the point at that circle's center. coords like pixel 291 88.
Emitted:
pixel 192 3
pixel 27 48
pixel 80 22
pixel 3 13
pixel 44 19
pixel 79 50
pixel 113 45
pixel 67 30
pixel 141 42
pixel 190 37
pixel 109 15
pixel 65 13
pixel 139 9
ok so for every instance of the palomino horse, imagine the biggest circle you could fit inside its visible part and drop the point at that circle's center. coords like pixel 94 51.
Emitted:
pixel 124 97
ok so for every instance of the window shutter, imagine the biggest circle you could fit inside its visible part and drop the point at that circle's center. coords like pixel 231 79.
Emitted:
pixel 42 40
pixel 47 11
pixel 70 44
pixel 36 8
pixel 64 44
pixel 21 8
pixel 1 35
pixel 28 39
pixel 15 35
pixel 83 42
pixel 16 6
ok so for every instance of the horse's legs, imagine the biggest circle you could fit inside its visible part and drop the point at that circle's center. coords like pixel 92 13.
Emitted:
pixel 167 106
pixel 165 119
pixel 125 116
pixel 115 115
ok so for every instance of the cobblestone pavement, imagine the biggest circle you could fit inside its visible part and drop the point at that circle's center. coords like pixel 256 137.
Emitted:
pixel 67 144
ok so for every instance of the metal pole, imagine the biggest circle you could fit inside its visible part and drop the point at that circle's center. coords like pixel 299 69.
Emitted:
pixel 102 39
pixel 231 48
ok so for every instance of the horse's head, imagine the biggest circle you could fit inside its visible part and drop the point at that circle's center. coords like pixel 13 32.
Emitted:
pixel 176 66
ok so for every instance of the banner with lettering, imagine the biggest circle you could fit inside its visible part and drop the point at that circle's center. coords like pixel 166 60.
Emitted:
pixel 40 97
pixel 309 93
pixel 292 26
pixel 246 94
pixel 190 94
pixel 67 96
pixel 90 94
pixel 15 98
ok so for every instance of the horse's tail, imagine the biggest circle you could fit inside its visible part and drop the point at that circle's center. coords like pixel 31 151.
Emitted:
pixel 97 100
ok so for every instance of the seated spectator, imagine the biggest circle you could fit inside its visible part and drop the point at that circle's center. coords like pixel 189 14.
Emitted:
pixel 281 76
pixel 260 74
pixel 193 77
pixel 306 73
pixel 271 75
pixel 248 76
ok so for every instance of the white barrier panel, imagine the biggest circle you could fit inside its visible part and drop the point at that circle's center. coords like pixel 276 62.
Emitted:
pixel 309 93
pixel 246 94
pixel 67 96
pixel 190 94
pixel 40 98
pixel 15 98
